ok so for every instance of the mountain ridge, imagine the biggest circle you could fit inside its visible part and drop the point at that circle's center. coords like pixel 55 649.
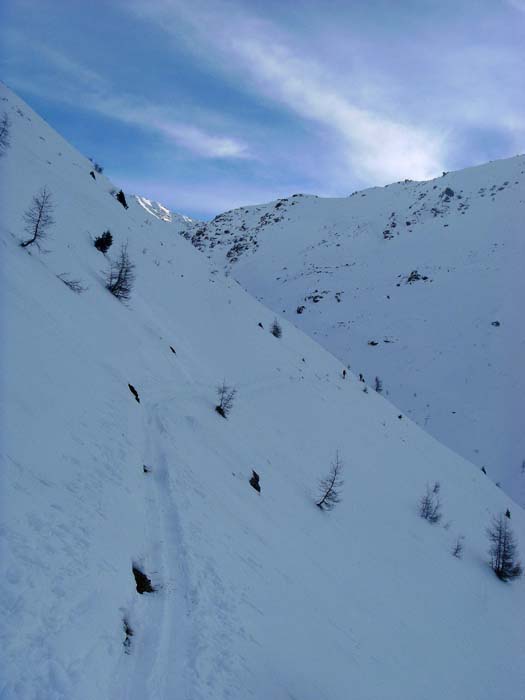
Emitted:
pixel 372 275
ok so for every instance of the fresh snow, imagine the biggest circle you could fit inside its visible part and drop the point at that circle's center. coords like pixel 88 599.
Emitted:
pixel 161 212
pixel 257 595
pixel 448 343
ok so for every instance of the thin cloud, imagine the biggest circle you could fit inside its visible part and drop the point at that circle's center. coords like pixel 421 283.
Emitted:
pixel 517 5
pixel 86 89
pixel 378 147
pixel 157 119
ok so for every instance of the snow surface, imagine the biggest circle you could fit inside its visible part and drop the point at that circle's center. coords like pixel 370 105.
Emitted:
pixel 258 596
pixel 448 346
pixel 159 211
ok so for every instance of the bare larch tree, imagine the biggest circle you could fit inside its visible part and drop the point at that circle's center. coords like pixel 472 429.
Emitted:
pixel 503 549
pixel 330 486
pixel 38 218
pixel 226 396
pixel 430 505
pixel 121 275
pixel 457 548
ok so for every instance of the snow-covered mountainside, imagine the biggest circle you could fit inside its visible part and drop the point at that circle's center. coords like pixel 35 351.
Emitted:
pixel 417 283
pixel 257 595
pixel 184 224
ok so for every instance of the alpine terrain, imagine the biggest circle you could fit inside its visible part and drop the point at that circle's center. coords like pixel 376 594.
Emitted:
pixel 416 286
pixel 154 547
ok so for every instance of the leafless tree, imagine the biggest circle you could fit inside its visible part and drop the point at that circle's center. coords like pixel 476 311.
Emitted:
pixel 430 504
pixel 121 275
pixel 503 549
pixel 457 549
pixel 75 285
pixel 226 395
pixel 330 486
pixel 5 133
pixel 38 218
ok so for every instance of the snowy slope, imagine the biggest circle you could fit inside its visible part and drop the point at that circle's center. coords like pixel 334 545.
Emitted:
pixel 447 343
pixel 258 595
pixel 183 223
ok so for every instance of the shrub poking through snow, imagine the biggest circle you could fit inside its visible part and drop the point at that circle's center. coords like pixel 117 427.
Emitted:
pixel 128 631
pixel 503 549
pixel 121 276
pixel 5 130
pixel 134 392
pixel 254 481
pixel 121 197
pixel 275 329
pixel 97 167
pixel 75 285
pixel 226 395
pixel 103 242
pixel 142 581
pixel 430 504
pixel 330 487
pixel 457 548
pixel 38 218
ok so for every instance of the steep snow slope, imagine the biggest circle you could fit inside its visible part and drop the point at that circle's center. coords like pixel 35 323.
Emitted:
pixel 184 224
pixel 258 595
pixel 417 283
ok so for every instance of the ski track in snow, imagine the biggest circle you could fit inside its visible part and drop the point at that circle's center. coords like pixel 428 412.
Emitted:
pixel 162 651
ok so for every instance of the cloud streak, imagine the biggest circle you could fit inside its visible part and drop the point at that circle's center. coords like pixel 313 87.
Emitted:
pixel 84 88
pixel 377 147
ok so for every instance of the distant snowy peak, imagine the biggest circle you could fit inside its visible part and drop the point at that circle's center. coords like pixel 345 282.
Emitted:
pixel 159 211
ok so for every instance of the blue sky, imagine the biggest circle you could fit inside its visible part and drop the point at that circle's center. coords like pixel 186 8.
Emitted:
pixel 206 105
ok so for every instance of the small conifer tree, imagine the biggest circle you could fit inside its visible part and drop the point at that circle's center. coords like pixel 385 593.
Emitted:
pixel 104 241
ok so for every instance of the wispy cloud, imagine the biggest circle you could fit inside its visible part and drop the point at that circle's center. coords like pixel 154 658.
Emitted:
pixel 517 5
pixel 378 147
pixel 158 119
pixel 86 89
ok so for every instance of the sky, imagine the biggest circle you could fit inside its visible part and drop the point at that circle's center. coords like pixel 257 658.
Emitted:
pixel 206 105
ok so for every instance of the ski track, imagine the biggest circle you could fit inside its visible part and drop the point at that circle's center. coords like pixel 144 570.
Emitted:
pixel 160 656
